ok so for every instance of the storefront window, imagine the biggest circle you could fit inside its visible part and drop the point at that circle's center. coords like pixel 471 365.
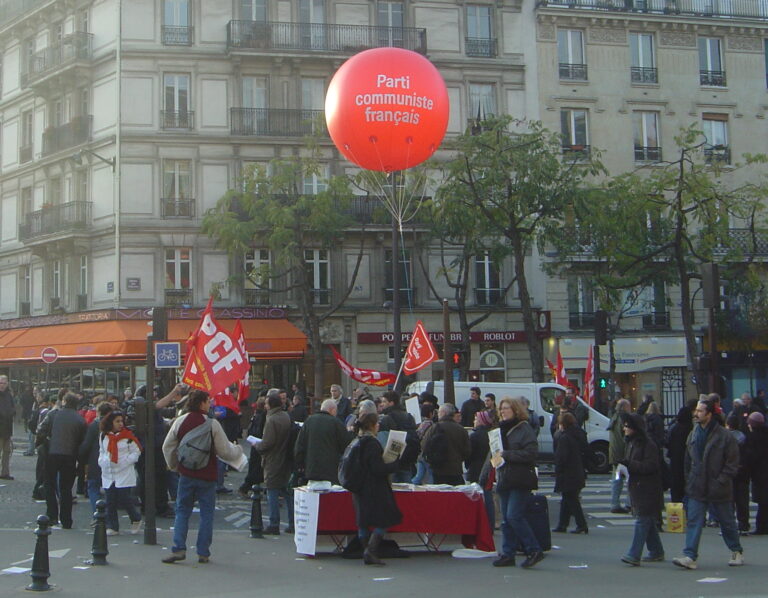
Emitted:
pixel 492 362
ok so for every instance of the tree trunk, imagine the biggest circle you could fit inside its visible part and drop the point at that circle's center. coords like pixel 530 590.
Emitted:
pixel 529 323
pixel 318 359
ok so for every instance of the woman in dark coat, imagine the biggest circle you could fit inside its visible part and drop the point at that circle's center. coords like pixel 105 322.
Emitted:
pixel 479 448
pixel 375 505
pixel 678 434
pixel 757 465
pixel 645 490
pixel 569 473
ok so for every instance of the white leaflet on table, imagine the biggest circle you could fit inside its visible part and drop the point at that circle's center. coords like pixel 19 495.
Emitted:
pixel 395 446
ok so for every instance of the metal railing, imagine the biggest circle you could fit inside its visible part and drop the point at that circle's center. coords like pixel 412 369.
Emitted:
pixel 68 217
pixel 488 296
pixel 184 119
pixel 581 319
pixel 483 47
pixel 573 72
pixel 656 321
pixel 647 154
pixel 749 9
pixel 712 78
pixel 10 9
pixel 717 154
pixel 75 47
pixel 256 296
pixel 75 132
pixel 747 241
pixel 277 122
pixel 172 207
pixel 177 36
pixel 178 297
pixel 322 37
pixel 644 74
pixel 321 296
pixel 25 153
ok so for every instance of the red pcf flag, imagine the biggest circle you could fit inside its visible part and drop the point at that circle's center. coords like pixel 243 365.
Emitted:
pixel 560 376
pixel 214 358
pixel 372 377
pixel 589 379
pixel 243 386
pixel 420 352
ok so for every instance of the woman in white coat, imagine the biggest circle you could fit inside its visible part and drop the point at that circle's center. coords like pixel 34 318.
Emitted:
pixel 118 453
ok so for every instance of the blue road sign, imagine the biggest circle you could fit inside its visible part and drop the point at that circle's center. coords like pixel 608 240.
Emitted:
pixel 167 355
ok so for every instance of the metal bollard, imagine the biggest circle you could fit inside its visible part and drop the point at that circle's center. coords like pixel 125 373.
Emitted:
pixel 40 569
pixel 257 525
pixel 99 549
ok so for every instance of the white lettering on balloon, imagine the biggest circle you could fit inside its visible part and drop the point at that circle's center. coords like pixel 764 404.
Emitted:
pixel 403 100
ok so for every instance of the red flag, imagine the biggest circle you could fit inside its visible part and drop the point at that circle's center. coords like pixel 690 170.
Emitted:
pixel 243 386
pixel 372 377
pixel 214 359
pixel 552 370
pixel 420 352
pixel 560 376
pixel 226 399
pixel 589 379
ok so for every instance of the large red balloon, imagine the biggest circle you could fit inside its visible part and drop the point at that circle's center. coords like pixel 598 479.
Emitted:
pixel 387 109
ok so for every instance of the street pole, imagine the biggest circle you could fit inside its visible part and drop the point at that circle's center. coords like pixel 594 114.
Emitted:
pixel 150 531
pixel 449 395
pixel 714 378
pixel 397 341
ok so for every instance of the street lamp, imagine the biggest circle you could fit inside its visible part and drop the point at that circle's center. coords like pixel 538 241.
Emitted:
pixel 77 158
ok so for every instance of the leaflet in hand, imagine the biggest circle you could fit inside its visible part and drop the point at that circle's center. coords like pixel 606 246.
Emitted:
pixel 494 440
pixel 395 446
pixel 253 441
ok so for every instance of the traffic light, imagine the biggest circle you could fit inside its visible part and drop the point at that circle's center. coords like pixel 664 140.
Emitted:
pixel 602 383
pixel 159 323
pixel 601 327
pixel 458 358
pixel 710 285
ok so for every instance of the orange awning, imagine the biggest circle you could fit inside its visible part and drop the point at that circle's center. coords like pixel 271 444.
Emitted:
pixel 126 340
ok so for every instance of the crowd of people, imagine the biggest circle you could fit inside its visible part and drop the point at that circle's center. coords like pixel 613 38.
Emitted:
pixel 96 446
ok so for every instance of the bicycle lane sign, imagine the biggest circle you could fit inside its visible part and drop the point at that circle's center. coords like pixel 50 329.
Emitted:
pixel 167 355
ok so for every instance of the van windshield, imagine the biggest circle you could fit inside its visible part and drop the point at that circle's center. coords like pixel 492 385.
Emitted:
pixel 547 396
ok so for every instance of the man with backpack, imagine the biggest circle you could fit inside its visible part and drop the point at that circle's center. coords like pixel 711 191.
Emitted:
pixel 191 447
pixel 445 447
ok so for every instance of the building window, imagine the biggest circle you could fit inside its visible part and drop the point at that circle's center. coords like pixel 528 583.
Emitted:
pixel 83 278
pixel 482 101
pixel 25 276
pixel 715 129
pixel 27 135
pixel 318 273
pixel 312 12
pixel 83 21
pixel 643 68
pixel 765 50
pixel 570 55
pixel 54 192
pixel 26 201
pixel 177 113
pixel 407 291
pixel 56 279
pixel 581 307
pixel 178 268
pixel 257 277
pixel 390 18
pixel 574 130
pixel 711 68
pixel 85 101
pixel 479 41
pixel 177 29
pixel 253 10
pixel 646 132
pixel 56 110
pixel 313 184
pixel 487 280
pixel 81 185
pixel 177 200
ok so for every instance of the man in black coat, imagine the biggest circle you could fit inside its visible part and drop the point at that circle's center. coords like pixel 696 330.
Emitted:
pixel 320 444
pixel 7 413
pixel 395 417
pixel 471 406
pixel 343 404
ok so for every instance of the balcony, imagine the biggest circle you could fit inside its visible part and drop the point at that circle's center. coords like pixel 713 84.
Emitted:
pixel 321 296
pixel 573 72
pixel 172 207
pixel 581 319
pixel 256 296
pixel 717 154
pixel 576 152
pixel 647 154
pixel 178 297
pixel 73 50
pixel 407 295
pixel 746 241
pixel 480 47
pixel 25 153
pixel 748 9
pixel 177 119
pixel 10 9
pixel 276 122
pixel 712 78
pixel 643 74
pixel 321 37
pixel 656 321
pixel 177 36
pixel 75 132
pixel 64 218
pixel 488 297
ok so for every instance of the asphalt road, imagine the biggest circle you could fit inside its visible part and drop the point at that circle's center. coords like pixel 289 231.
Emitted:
pixel 579 566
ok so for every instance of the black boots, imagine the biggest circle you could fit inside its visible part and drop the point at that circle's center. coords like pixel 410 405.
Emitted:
pixel 371 552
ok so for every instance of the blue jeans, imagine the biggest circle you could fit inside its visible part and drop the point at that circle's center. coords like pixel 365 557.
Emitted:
pixel 617 485
pixel 423 473
pixel 221 469
pixel 204 492
pixel 273 500
pixel 93 488
pixel 696 514
pixel 515 530
pixel 120 497
pixel 646 533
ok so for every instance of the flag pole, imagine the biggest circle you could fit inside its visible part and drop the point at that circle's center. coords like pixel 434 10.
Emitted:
pixel 399 371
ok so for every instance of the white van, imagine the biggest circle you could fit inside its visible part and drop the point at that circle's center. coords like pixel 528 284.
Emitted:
pixel 542 399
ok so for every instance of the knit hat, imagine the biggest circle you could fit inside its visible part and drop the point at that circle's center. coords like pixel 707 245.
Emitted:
pixel 635 422
pixel 484 418
pixel 756 420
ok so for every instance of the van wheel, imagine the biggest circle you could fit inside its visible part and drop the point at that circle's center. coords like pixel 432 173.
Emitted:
pixel 599 458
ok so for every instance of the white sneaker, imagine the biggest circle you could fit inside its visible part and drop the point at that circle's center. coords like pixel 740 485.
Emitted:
pixel 685 562
pixel 737 559
pixel 136 527
pixel 112 532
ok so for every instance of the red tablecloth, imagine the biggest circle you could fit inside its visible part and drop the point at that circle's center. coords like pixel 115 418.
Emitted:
pixel 423 512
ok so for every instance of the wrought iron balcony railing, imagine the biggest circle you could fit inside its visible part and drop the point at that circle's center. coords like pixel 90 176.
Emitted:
pixel 748 9
pixel 647 154
pixel 573 72
pixel 172 207
pixel 177 36
pixel 747 241
pixel 656 321
pixel 482 47
pixel 75 132
pixel 276 122
pixel 10 9
pixel 322 37
pixel 712 78
pixel 178 297
pixel 256 296
pixel 75 47
pixel 644 74
pixel 581 319
pixel 717 154
pixel 68 217
pixel 488 296
pixel 177 119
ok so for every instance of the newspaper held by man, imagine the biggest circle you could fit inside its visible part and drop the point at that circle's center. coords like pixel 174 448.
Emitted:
pixel 395 446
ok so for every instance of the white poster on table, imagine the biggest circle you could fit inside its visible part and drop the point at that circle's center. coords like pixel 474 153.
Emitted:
pixel 412 407
pixel 306 506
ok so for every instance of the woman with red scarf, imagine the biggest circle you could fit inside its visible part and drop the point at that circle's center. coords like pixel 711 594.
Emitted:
pixel 118 454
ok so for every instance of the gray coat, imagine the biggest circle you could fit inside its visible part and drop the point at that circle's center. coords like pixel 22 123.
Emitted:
pixel 65 428
pixel 319 447
pixel 274 448
pixel 520 452
pixel 710 479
